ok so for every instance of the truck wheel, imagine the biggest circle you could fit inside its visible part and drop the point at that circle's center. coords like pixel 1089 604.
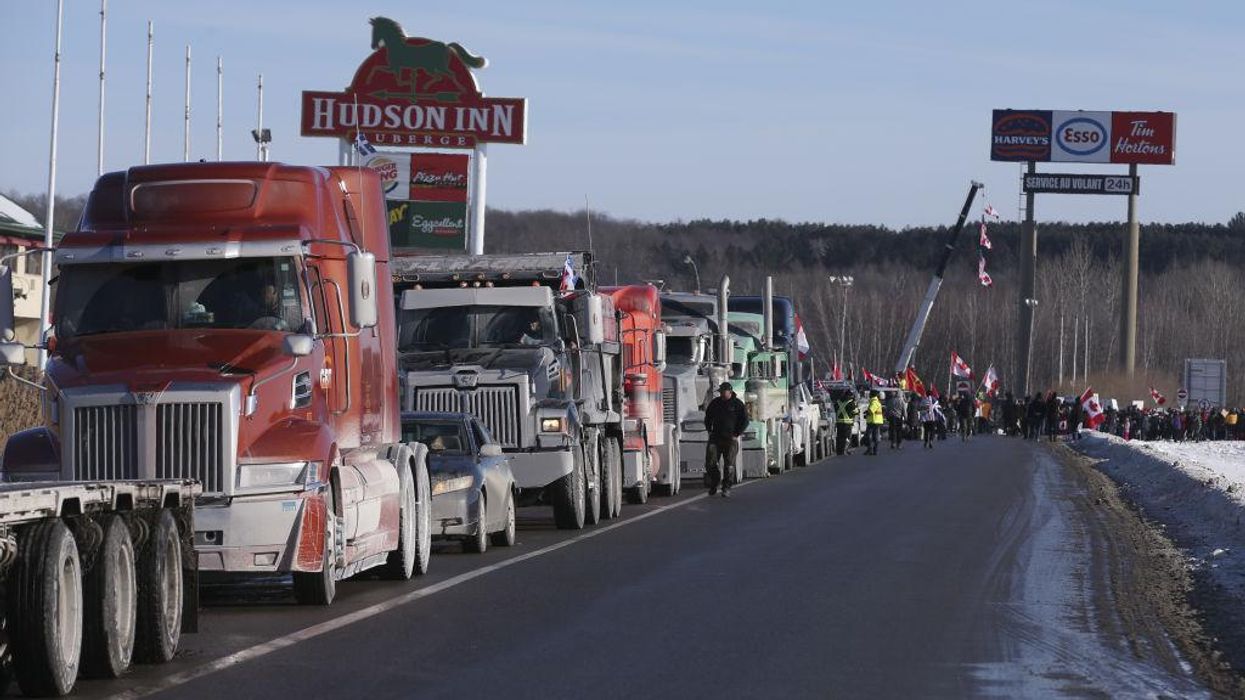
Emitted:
pixel 319 587
pixel 45 607
pixel 110 605
pixel 801 459
pixel 613 465
pixel 506 536
pixel 400 565
pixel 569 496
pixel 423 523
pixel 6 650
pixel 160 593
pixel 638 495
pixel 592 497
pixel 607 478
pixel 478 544
pixel 676 469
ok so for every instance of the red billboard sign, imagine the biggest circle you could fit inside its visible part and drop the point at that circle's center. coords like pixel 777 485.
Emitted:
pixel 415 92
pixel 1050 136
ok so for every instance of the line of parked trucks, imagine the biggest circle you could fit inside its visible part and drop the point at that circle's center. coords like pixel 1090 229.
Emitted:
pixel 232 349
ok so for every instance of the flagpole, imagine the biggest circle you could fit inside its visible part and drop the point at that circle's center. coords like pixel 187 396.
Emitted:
pixel 147 116
pixel 46 268
pixel 103 53
pixel 220 108
pixel 186 118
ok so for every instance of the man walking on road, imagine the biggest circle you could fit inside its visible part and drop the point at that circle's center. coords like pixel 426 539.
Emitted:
pixel 896 415
pixel 875 420
pixel 844 420
pixel 725 420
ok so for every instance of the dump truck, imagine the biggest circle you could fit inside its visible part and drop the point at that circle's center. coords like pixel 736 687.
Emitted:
pixel 93 576
pixel 650 441
pixel 528 345
pixel 223 323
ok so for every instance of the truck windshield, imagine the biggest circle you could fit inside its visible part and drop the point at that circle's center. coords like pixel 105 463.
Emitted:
pixel 680 350
pixel 256 293
pixel 455 327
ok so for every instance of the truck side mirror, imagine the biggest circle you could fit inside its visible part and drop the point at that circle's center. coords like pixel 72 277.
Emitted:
pixel 361 268
pixel 596 319
pixel 659 350
pixel 13 354
pixel 298 345
pixel 6 303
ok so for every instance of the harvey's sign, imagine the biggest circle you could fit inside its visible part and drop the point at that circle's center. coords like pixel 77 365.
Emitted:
pixel 1083 137
pixel 418 93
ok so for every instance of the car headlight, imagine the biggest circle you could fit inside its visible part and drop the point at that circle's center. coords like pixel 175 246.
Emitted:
pixel 450 483
pixel 258 476
pixel 551 425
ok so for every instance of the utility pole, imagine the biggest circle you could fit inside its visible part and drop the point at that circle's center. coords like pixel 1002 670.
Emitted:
pixel 186 119
pixel 220 108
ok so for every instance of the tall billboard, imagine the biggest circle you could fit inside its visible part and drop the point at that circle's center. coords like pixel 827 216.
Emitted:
pixel 1055 136
pixel 426 195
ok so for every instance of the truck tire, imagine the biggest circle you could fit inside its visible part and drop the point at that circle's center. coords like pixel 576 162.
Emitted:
pixel 159 576
pixel 592 496
pixel 801 458
pixel 45 609
pixel 676 469
pixel 320 587
pixel 612 461
pixel 505 537
pixel 423 523
pixel 6 650
pixel 110 604
pixel 400 565
pixel 569 497
pixel 478 543
pixel 606 492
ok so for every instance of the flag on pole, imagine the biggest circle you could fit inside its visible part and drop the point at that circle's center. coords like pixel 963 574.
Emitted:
pixel 959 367
pixel 1091 409
pixel 801 340
pixel 991 381
pixel 991 212
pixel 568 276
pixel 870 377
pixel 914 383
pixel 1159 399
pixel 837 373
pixel 362 145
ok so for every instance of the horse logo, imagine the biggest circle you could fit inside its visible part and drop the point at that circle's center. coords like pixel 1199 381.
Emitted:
pixel 424 63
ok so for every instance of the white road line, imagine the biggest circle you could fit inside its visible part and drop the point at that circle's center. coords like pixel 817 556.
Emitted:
pixel 302 635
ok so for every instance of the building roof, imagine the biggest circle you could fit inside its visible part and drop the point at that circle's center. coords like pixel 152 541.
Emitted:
pixel 17 222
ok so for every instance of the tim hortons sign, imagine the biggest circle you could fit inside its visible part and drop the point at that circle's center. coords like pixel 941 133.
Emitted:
pixel 415 92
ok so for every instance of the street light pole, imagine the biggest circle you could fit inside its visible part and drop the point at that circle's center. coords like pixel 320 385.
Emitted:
pixel 844 281
pixel 1031 303
pixel 687 260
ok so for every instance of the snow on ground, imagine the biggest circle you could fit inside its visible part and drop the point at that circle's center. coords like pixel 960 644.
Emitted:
pixel 1196 491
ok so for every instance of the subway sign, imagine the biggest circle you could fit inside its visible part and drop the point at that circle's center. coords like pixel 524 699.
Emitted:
pixel 1043 136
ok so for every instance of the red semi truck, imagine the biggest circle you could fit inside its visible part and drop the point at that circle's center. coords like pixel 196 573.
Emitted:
pixel 650 443
pixel 233 323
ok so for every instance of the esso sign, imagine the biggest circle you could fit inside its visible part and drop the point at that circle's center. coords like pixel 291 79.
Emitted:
pixel 1082 136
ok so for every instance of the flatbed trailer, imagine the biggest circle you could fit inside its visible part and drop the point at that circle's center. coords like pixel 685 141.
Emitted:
pixel 93 576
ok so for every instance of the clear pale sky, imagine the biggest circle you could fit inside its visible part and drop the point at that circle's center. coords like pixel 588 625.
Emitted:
pixel 864 112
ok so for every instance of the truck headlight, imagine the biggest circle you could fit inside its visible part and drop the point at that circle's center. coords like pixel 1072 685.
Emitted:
pixel 551 425
pixel 258 476
pixel 750 435
pixel 449 483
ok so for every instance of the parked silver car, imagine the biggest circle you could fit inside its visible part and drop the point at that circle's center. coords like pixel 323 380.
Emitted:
pixel 473 489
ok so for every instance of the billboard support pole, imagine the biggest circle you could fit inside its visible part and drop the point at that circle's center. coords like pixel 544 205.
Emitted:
pixel 479 172
pixel 1028 275
pixel 1128 319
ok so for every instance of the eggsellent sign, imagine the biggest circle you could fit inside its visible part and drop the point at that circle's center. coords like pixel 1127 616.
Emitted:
pixel 1054 136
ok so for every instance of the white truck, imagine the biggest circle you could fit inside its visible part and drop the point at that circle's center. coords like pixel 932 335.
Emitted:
pixel 93 576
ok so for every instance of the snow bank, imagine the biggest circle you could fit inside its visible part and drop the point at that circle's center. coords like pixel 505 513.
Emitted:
pixel 1195 490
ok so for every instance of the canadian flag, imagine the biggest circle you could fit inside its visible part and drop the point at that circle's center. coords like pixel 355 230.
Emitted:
pixel 959 367
pixel 837 374
pixel 984 240
pixel 801 340
pixel 568 275
pixel 1091 409
pixel 991 212
pixel 1158 398
pixel 991 382
pixel 870 377
pixel 982 275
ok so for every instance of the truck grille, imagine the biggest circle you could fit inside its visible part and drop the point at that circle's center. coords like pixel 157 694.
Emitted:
pixel 106 442
pixel 189 443
pixel 669 405
pixel 497 407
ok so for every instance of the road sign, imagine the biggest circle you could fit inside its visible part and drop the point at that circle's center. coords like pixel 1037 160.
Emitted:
pixel 964 387
pixel 1182 396
pixel 1080 183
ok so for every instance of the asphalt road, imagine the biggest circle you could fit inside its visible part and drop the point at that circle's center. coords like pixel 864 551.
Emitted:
pixel 969 570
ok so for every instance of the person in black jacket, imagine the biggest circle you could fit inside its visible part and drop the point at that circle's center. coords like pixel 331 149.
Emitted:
pixel 726 418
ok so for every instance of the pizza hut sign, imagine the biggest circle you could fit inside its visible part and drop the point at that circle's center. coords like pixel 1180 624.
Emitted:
pixel 1083 137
